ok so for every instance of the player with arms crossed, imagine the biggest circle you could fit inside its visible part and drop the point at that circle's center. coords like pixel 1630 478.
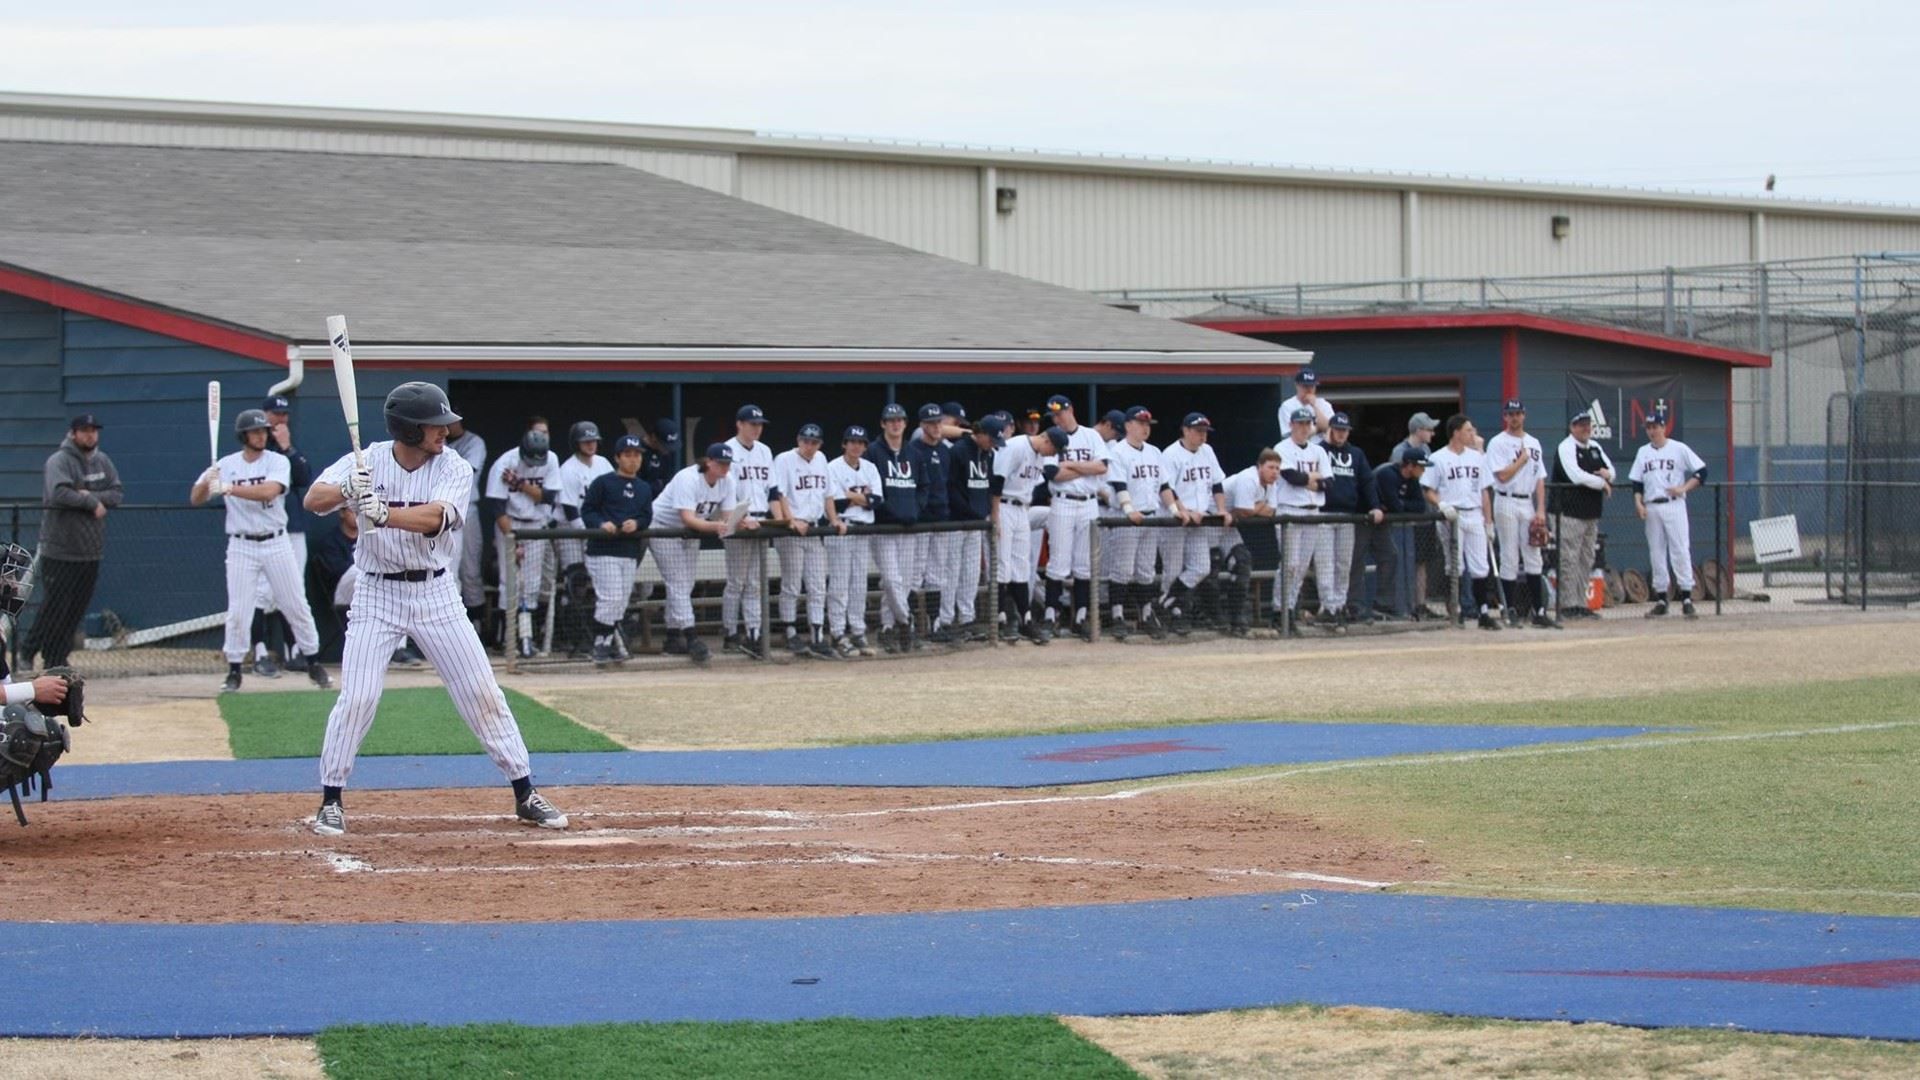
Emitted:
pixel 1195 485
pixel 1459 484
pixel 856 486
pixel 1519 500
pixel 1663 472
pixel 255 484
pixel 411 499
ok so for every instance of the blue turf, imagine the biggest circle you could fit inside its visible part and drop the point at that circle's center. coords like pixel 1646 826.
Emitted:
pixel 1464 956
pixel 958 763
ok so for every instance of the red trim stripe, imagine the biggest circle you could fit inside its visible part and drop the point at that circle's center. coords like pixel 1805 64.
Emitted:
pixel 1499 320
pixel 1510 363
pixel 142 316
pixel 878 372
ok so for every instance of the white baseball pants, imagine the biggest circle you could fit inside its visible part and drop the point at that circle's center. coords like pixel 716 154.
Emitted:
pixel 740 600
pixel 1511 519
pixel 847 584
pixel 1470 545
pixel 528 558
pixel 893 557
pixel 1037 517
pixel 1335 584
pixel 1068 525
pixel 965 550
pixel 803 562
pixel 613 577
pixel 1190 553
pixel 1670 544
pixel 263 592
pixel 251 565
pixel 1014 546
pixel 1303 547
pixel 678 561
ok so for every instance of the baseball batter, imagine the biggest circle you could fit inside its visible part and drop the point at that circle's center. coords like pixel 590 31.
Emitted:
pixel 1519 499
pixel 521 492
pixel 752 481
pixel 255 484
pixel 856 487
pixel 806 488
pixel 1304 469
pixel 411 499
pixel 1138 476
pixel 1459 484
pixel 618 503
pixel 1196 487
pixel 1076 475
pixel 1663 472
pixel 701 498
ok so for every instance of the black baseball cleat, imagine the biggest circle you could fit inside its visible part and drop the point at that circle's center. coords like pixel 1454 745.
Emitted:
pixel 602 655
pixel 1488 621
pixel 266 667
pixel 296 662
pixel 1331 622
pixel 730 643
pixel 888 644
pixel 1040 631
pixel 1153 621
pixel 1513 617
pixel 796 644
pixel 859 642
pixel 331 820
pixel 753 648
pixel 1239 630
pixel 1118 630
pixel 843 648
pixel 1543 621
pixel 232 684
pixel 1009 633
pixel 317 675
pixel 536 811
pixel 698 651
pixel 1687 610
pixel 976 633
pixel 941 635
pixel 675 645
pixel 821 649
pixel 619 643
pixel 1658 610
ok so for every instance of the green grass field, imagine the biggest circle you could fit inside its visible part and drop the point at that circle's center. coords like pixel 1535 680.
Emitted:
pixel 930 1049
pixel 410 721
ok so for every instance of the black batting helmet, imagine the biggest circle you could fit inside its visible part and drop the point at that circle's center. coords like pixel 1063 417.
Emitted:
pixel 534 446
pixel 583 431
pixel 412 406
pixel 250 420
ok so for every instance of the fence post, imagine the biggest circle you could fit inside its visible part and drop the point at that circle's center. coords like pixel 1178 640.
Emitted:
pixel 1723 566
pixel 1093 571
pixel 1280 584
pixel 993 578
pixel 509 600
pixel 1453 574
pixel 1666 302
pixel 766 640
pixel 1865 538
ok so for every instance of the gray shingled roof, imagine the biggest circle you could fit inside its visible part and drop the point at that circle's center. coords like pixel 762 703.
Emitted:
pixel 450 251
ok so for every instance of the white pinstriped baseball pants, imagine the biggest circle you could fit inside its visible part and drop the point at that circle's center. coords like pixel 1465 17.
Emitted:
pixel 678 561
pixel 847 584
pixel 740 601
pixel 1068 527
pixel 1306 546
pixel 1511 520
pixel 963 552
pixel 529 558
pixel 263 592
pixel 385 613
pixel 803 562
pixel 893 556
pixel 613 577
pixel 250 564
pixel 1189 554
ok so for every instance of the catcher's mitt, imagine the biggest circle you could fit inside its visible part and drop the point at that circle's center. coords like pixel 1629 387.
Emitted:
pixel 1537 534
pixel 29 745
pixel 74 707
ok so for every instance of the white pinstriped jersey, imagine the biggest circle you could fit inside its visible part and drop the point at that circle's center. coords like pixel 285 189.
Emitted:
pixel 1142 470
pixel 1503 450
pixel 1193 474
pixel 860 476
pixel 1019 468
pixel 245 516
pixel 1311 459
pixel 1244 490
pixel 752 473
pixel 805 484
pixel 1322 410
pixel 445 478
pixel 1458 478
pixel 1667 467
pixel 576 476
pixel 1083 445
pixel 689 490
pixel 511 470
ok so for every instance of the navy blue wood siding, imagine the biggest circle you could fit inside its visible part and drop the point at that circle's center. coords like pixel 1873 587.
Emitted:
pixel 35 417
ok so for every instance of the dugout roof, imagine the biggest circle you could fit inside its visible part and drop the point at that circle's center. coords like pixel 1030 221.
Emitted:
pixel 442 261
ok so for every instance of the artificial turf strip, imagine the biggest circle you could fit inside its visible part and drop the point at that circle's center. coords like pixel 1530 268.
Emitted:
pixel 926 1049
pixel 414 720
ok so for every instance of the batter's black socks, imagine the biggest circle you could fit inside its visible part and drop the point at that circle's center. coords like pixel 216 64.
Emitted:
pixel 602 633
pixel 1022 605
pixel 233 669
pixel 329 795
pixel 522 788
pixel 1537 592
pixel 1082 599
pixel 257 634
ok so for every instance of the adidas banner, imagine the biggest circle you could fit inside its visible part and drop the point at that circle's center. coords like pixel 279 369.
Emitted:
pixel 1620 405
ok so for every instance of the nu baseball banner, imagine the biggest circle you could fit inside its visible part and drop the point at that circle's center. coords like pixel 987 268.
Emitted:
pixel 1620 404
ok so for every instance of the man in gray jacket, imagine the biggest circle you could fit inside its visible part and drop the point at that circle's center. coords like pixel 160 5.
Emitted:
pixel 81 486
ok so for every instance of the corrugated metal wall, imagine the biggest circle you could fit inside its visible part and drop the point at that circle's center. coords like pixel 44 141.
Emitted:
pixel 1105 231
pixel 1473 236
pixel 932 208
pixel 1794 237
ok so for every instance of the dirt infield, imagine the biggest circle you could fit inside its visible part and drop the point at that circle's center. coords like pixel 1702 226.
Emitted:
pixel 648 853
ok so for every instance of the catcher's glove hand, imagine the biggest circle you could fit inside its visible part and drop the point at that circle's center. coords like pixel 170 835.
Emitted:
pixel 1537 535
pixel 74 707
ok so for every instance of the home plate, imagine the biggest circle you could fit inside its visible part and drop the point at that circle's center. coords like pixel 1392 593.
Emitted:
pixel 575 841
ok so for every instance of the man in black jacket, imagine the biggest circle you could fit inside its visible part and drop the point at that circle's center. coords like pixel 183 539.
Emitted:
pixel 81 486
pixel 1582 481
pixel 1397 486
pixel 1349 490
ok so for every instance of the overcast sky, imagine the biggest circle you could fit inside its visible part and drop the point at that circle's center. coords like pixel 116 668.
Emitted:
pixel 1683 93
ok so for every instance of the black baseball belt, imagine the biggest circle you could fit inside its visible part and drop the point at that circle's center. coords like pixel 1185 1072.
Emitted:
pixel 1657 502
pixel 257 537
pixel 1510 495
pixel 1011 501
pixel 415 576
pixel 1075 498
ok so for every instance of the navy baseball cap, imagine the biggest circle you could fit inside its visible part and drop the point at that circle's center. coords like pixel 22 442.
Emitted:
pixel 720 452
pixel 1512 406
pixel 1581 417
pixel 954 409
pixel 1657 416
pixel 811 431
pixel 1197 420
pixel 1414 455
pixel 1305 377
pixel 668 431
pixel 1140 413
pixel 1058 402
pixel 1340 420
pixel 893 411
pixel 276 403
pixel 930 411
pixel 1115 418
pixel 996 427
pixel 628 442
pixel 1034 412
pixel 85 419
pixel 854 433
pixel 1058 436
pixel 750 414
pixel 1300 416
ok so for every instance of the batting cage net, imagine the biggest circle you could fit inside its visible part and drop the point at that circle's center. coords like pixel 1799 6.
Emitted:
pixel 1873 449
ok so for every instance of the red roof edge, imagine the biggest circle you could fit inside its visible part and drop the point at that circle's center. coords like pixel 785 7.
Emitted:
pixel 1501 320
pixel 143 316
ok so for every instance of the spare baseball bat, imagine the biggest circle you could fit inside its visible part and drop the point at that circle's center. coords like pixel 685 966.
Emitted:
pixel 343 380
pixel 213 422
